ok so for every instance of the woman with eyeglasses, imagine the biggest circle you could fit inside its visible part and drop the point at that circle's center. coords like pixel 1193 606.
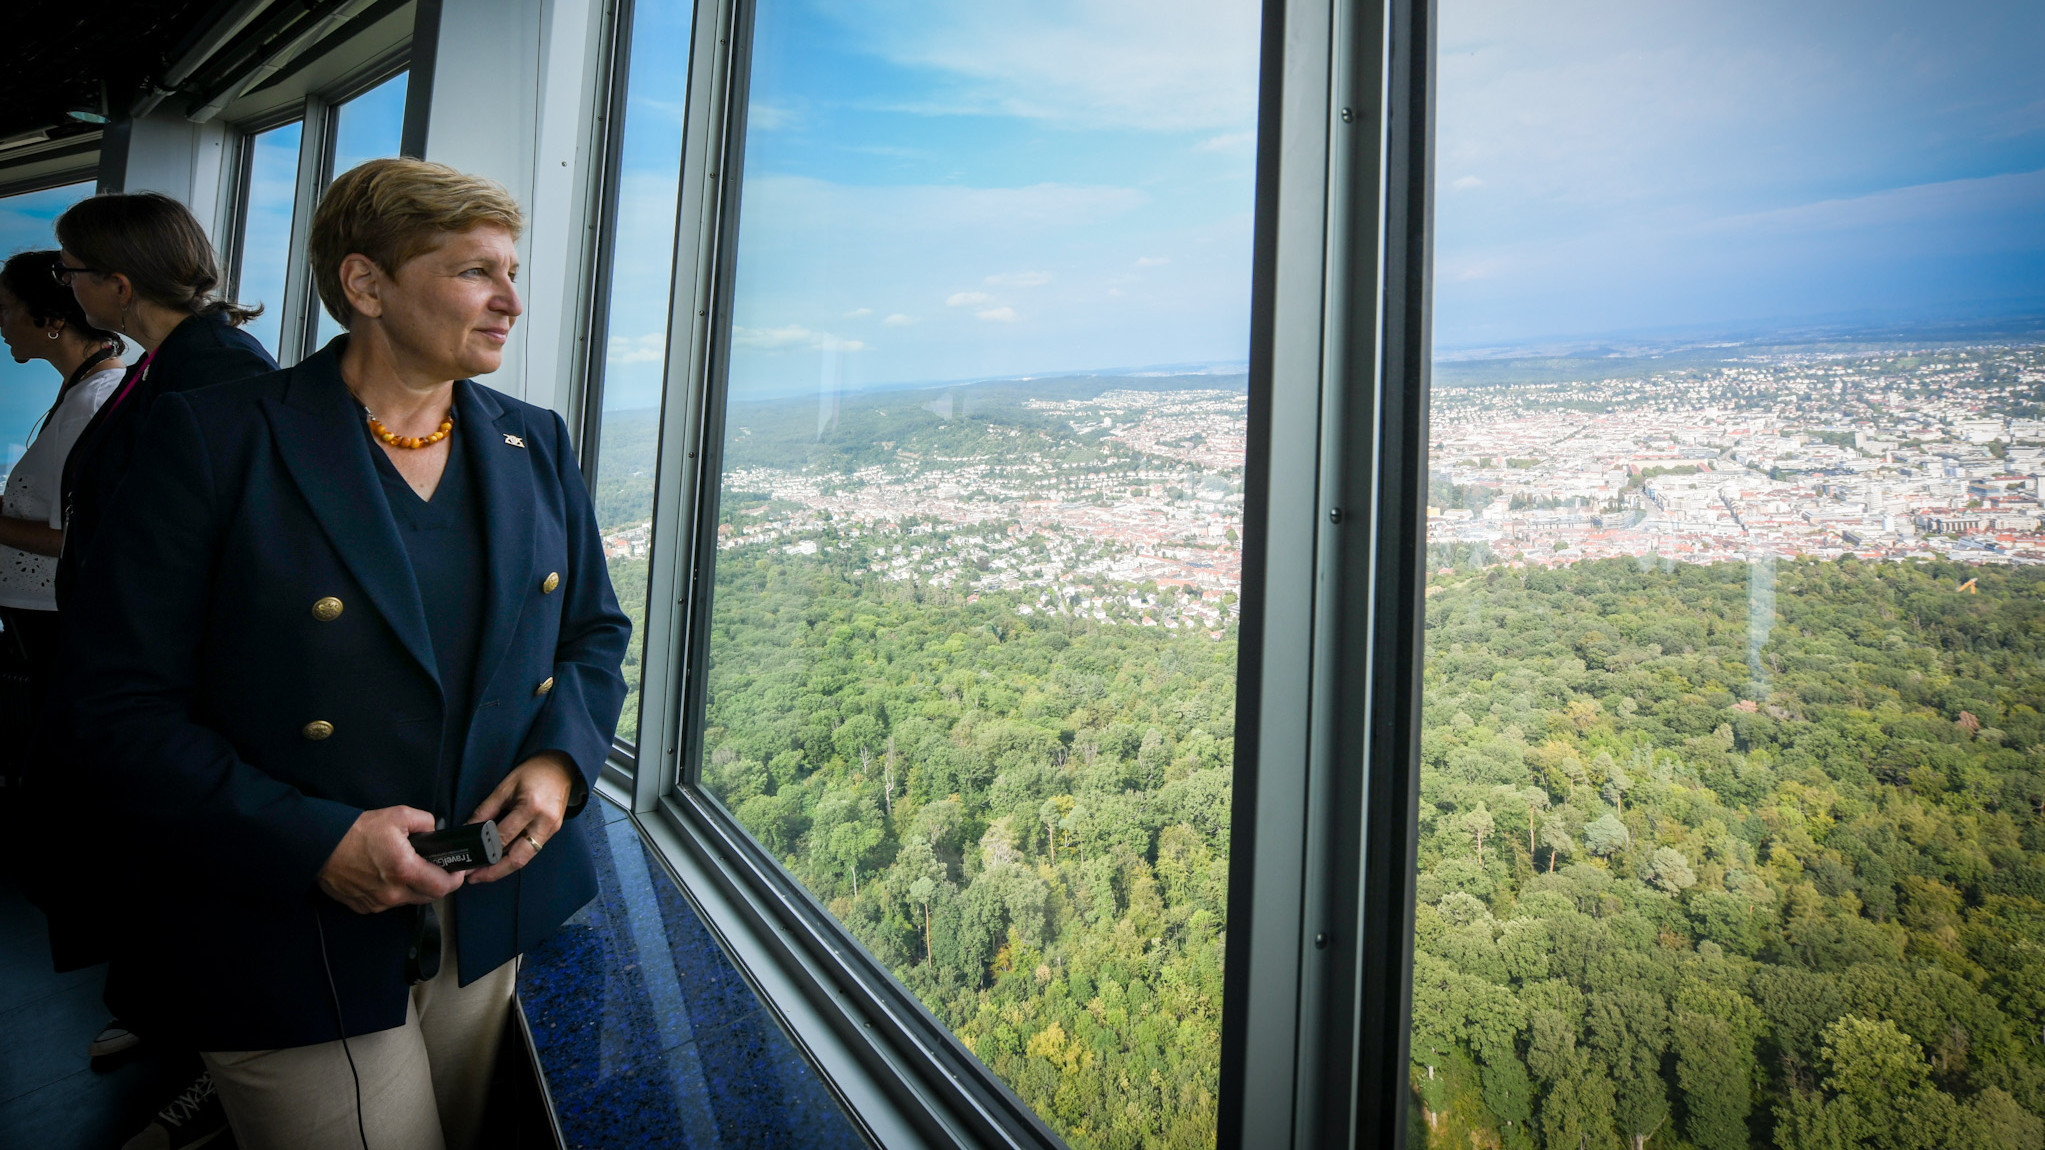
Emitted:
pixel 139 264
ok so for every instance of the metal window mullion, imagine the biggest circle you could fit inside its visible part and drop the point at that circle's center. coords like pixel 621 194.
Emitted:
pixel 607 140
pixel 1269 939
pixel 234 217
pixel 701 244
pixel 1396 641
pixel 299 316
pixel 1349 533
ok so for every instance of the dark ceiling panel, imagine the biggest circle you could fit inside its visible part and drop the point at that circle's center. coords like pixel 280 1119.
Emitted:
pixel 60 52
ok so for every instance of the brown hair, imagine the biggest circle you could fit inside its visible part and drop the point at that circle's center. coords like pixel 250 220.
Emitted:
pixel 393 210
pixel 155 242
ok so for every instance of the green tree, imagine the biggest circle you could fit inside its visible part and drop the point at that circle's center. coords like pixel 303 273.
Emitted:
pixel 1606 835
pixel 1714 1073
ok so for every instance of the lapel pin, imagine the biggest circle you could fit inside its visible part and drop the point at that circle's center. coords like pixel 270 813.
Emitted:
pixel 514 440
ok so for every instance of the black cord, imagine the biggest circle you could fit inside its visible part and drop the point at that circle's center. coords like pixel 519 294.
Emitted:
pixel 341 1026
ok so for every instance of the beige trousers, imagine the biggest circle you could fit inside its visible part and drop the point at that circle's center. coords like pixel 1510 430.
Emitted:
pixel 424 1084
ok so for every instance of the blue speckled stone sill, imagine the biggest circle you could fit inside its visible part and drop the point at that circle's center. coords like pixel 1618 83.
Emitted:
pixel 647 1034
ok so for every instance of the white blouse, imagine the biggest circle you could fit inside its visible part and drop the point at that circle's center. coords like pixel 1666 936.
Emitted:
pixel 33 486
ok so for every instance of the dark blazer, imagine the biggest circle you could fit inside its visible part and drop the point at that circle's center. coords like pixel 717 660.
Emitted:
pixel 235 734
pixel 202 351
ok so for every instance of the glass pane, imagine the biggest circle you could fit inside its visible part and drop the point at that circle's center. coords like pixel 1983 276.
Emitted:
pixel 1729 817
pixel 635 327
pixel 266 227
pixel 367 127
pixel 972 652
pixel 27 390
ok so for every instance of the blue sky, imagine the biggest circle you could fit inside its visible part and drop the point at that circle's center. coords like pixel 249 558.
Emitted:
pixel 1607 166
pixel 649 165
pixel 265 250
pixel 939 191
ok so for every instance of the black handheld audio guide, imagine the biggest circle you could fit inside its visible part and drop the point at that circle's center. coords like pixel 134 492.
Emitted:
pixel 461 848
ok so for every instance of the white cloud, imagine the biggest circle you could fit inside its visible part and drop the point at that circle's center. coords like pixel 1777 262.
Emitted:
pixel 859 313
pixel 773 338
pixel 792 337
pixel 1228 142
pixel 1153 261
pixel 1465 183
pixel 1020 279
pixel 966 298
pixel 624 349
pixel 1159 65
pixel 999 314
pixel 770 117
pixel 899 320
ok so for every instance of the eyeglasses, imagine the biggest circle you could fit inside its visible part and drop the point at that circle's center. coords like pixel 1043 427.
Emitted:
pixel 62 273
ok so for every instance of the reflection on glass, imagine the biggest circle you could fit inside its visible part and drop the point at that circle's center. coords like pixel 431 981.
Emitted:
pixel 1731 792
pixel 266 227
pixel 367 127
pixel 635 326
pixel 972 662
pixel 26 390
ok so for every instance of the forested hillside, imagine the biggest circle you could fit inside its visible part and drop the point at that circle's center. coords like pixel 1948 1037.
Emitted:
pixel 1693 873
pixel 1671 896
pixel 1025 817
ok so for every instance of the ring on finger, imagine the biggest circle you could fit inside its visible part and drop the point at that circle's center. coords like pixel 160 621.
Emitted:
pixel 535 842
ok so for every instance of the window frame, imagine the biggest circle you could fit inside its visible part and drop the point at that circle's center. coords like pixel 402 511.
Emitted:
pixel 318 113
pixel 613 65
pixel 234 216
pixel 1325 800
pixel 51 164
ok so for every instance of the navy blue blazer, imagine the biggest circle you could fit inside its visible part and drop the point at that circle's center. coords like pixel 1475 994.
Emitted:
pixel 234 735
pixel 201 351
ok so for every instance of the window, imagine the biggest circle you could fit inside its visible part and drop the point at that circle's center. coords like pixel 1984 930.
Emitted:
pixel 366 127
pixel 636 282
pixel 977 505
pixel 280 185
pixel 27 390
pixel 265 239
pixel 1729 819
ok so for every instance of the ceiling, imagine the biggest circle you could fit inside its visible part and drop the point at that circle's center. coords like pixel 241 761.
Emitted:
pixel 62 51
pixel 191 57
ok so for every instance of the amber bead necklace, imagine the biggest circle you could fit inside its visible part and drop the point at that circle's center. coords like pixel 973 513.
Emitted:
pixel 409 441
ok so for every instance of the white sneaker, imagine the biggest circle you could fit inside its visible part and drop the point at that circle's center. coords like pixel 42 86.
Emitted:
pixel 113 1039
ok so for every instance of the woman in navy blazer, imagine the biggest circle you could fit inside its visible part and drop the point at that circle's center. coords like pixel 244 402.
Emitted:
pixel 293 649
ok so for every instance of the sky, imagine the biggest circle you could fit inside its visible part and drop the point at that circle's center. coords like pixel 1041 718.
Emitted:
pixel 266 243
pixel 649 165
pixel 937 191
pixel 1609 167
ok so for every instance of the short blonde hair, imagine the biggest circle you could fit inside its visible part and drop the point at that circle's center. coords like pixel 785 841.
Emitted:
pixel 393 210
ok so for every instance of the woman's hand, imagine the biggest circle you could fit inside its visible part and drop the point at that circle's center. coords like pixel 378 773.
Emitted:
pixel 375 868
pixel 529 806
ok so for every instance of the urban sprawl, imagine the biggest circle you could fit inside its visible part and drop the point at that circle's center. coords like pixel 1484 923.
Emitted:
pixel 1885 456
pixel 1130 511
